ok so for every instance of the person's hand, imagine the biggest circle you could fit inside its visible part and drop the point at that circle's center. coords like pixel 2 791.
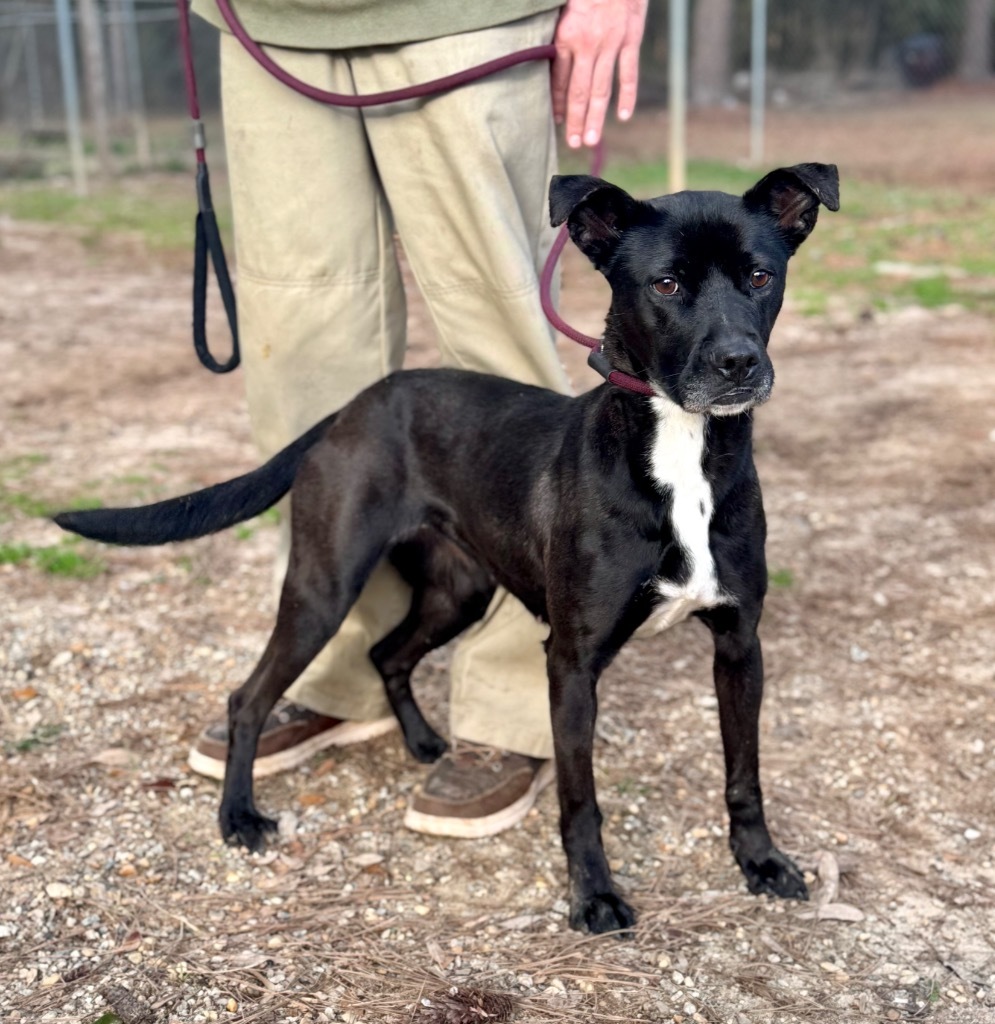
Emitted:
pixel 590 37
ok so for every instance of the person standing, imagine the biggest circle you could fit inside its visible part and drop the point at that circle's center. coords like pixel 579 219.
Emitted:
pixel 318 193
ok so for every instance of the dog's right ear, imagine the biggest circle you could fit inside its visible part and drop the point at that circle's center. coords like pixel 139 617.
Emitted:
pixel 596 212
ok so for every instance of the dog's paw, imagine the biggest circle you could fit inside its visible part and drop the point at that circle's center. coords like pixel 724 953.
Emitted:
pixel 245 828
pixel 775 875
pixel 428 748
pixel 603 912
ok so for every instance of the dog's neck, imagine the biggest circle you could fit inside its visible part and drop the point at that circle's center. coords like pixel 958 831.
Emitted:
pixel 614 348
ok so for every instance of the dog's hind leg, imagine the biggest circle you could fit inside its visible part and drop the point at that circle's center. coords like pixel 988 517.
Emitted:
pixel 336 540
pixel 739 681
pixel 450 593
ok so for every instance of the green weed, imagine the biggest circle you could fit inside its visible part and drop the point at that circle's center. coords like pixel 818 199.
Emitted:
pixel 781 578
pixel 40 736
pixel 14 554
pixel 57 560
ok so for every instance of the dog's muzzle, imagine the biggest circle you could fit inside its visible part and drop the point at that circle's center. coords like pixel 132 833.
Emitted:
pixel 727 376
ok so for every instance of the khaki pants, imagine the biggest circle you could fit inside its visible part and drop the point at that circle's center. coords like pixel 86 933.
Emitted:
pixel 317 194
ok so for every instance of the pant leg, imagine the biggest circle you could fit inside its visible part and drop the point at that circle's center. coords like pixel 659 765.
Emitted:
pixel 321 305
pixel 466 175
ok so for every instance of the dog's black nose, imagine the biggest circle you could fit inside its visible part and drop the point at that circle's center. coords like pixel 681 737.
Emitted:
pixel 737 361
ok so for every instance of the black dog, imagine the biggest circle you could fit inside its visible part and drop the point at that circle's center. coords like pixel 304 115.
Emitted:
pixel 598 512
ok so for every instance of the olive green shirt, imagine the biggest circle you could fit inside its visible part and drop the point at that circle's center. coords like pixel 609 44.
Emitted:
pixel 347 24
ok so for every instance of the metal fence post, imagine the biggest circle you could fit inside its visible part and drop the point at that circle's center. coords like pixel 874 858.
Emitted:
pixel 678 95
pixel 70 94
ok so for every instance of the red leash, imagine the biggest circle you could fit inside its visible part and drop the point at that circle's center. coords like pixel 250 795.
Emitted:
pixel 208 238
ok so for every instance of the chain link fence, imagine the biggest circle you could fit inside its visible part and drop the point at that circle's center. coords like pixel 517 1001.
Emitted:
pixel 818 51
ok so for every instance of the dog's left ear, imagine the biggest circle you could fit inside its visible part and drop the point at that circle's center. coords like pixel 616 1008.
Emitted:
pixel 792 195
pixel 596 212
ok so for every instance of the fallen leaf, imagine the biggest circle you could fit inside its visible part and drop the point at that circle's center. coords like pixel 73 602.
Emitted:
pixel 365 860
pixel 131 942
pixel 115 757
pixel 25 693
pixel 312 799
pixel 15 860
pixel 518 924
pixel 828 870
pixel 160 784
pixel 833 912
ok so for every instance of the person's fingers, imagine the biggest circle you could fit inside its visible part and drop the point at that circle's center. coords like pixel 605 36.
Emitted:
pixel 628 80
pixel 600 97
pixel 560 81
pixel 578 95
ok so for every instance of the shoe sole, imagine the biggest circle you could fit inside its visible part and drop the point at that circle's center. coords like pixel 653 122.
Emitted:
pixel 342 735
pixel 490 824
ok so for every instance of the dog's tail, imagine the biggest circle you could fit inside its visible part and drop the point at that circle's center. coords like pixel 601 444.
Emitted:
pixel 203 512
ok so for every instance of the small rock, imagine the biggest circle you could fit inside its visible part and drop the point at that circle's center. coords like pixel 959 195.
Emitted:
pixel 59 890
pixel 971 834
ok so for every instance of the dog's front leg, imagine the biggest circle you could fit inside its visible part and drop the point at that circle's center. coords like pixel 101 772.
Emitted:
pixel 739 681
pixel 595 906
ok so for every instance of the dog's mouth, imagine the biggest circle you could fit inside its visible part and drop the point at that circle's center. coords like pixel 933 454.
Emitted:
pixel 729 402
pixel 734 401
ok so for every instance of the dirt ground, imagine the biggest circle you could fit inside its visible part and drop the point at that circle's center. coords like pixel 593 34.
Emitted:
pixel 877 456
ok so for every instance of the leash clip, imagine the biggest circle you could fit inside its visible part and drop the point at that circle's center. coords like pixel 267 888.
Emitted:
pixel 598 362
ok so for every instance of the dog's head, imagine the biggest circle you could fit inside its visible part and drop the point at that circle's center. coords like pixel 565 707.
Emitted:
pixel 697 277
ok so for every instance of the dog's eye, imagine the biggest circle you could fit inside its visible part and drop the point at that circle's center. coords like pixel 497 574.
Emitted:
pixel 667 286
pixel 760 278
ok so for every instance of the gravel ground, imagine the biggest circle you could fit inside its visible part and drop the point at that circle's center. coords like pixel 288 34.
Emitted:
pixel 877 455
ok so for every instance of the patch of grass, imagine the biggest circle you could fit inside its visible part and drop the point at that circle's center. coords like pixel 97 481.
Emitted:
pixel 26 504
pixel 811 301
pixel 40 736
pixel 781 578
pixel 57 560
pixel 14 554
pixel 162 216
pixel 18 501
pixel 62 560
pixel 932 291
pixel 20 465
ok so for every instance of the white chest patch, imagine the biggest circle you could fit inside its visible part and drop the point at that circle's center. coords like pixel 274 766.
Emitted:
pixel 675 463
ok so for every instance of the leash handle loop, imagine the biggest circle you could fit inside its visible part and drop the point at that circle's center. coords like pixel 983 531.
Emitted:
pixel 207 238
pixel 207 243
